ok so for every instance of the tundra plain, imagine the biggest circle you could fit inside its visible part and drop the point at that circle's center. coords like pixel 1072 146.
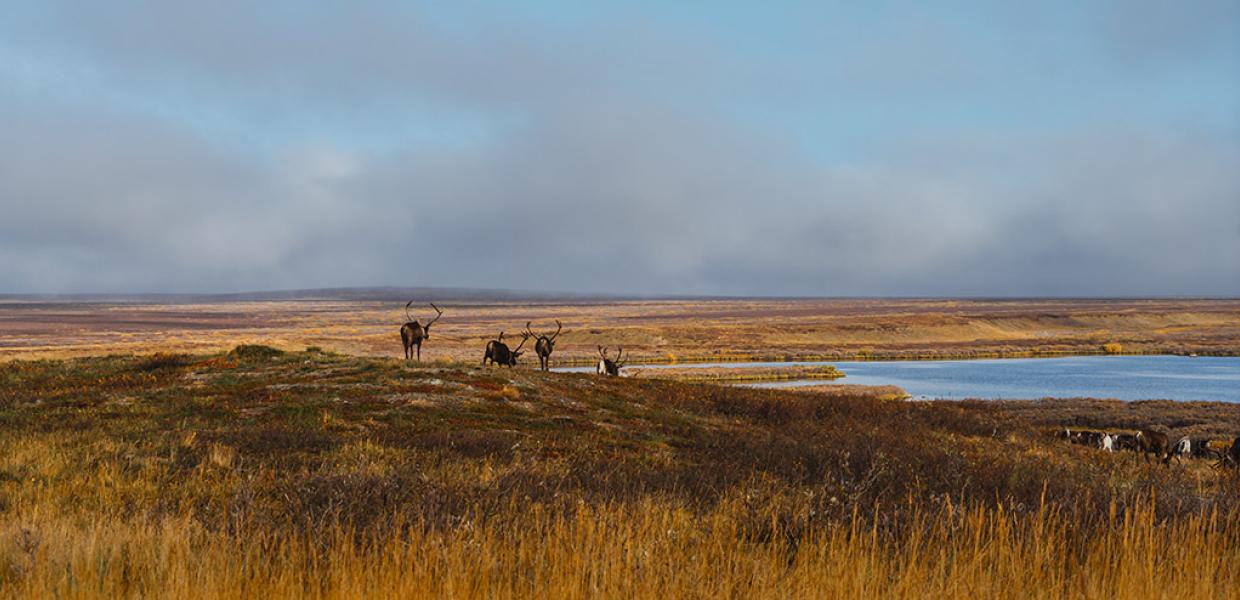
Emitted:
pixel 145 451
pixel 648 330
pixel 258 473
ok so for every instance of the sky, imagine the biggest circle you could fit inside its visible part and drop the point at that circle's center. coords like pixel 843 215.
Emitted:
pixel 1055 148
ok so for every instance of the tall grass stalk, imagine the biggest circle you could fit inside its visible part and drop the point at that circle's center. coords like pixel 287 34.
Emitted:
pixel 648 549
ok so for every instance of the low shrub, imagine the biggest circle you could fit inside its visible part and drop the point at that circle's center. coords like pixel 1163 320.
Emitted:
pixel 255 352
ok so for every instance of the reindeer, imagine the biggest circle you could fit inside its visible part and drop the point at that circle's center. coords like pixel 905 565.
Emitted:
pixel 606 366
pixel 489 353
pixel 543 345
pixel 498 353
pixel 1229 458
pixel 1126 441
pixel 1202 449
pixel 1156 443
pixel 1180 449
pixel 412 333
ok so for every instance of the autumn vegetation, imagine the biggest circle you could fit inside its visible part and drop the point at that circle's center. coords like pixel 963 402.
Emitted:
pixel 267 473
pixel 669 331
pixel 704 374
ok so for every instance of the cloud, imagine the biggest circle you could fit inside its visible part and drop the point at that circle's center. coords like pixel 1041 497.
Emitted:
pixel 1140 30
pixel 279 150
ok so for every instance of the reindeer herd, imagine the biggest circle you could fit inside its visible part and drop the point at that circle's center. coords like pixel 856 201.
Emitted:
pixel 1157 444
pixel 413 333
pixel 1146 442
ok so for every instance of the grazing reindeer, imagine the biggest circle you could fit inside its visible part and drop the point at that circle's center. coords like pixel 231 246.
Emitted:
pixel 490 352
pixel 1182 448
pixel 1156 443
pixel 543 345
pixel 607 366
pixel 1230 457
pixel 1202 449
pixel 498 353
pixel 1126 441
pixel 412 333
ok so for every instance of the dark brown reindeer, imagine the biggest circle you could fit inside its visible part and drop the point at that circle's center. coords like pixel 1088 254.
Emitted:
pixel 1229 458
pixel 412 333
pixel 607 366
pixel 1156 443
pixel 498 353
pixel 544 345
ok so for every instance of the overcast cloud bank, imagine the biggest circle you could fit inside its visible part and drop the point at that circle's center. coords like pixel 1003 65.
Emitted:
pixel 1071 150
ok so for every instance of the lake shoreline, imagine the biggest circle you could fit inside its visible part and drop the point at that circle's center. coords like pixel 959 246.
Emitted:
pixel 1121 377
pixel 886 357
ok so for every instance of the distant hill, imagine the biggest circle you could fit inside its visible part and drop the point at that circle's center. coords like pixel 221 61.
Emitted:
pixel 376 294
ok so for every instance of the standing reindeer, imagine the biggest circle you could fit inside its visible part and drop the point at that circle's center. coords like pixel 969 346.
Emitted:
pixel 1156 443
pixel 498 353
pixel 412 333
pixel 607 366
pixel 543 345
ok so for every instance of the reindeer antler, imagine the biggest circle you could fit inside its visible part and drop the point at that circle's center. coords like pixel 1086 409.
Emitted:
pixel 436 316
pixel 619 356
pixel 524 338
pixel 529 331
pixel 558 327
pixel 407 305
pixel 602 352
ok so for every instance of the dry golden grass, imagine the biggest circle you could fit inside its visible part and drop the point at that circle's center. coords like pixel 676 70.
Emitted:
pixel 662 330
pixel 845 390
pixel 651 549
pixel 256 474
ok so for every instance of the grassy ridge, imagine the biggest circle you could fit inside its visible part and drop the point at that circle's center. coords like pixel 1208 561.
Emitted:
pixel 309 474
pixel 738 375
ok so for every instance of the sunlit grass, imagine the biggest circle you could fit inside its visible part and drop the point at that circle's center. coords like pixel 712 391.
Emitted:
pixel 259 474
pixel 650 549
pixel 651 331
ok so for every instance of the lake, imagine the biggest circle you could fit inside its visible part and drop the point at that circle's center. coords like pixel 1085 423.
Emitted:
pixel 1122 377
